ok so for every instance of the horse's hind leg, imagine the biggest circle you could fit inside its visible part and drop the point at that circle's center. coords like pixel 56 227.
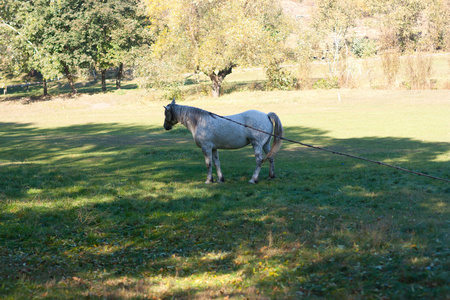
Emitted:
pixel 215 156
pixel 259 159
pixel 208 160
pixel 271 160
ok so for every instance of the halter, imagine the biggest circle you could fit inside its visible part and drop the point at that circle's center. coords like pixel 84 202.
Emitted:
pixel 171 122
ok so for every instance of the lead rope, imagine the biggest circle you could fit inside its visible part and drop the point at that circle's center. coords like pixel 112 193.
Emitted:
pixel 334 152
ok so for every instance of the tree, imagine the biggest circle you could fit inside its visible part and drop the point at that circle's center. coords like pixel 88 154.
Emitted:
pixel 332 20
pixel 399 19
pixel 215 36
pixel 438 15
pixel 132 34
pixel 114 27
pixel 15 49
pixel 67 35
pixel 60 31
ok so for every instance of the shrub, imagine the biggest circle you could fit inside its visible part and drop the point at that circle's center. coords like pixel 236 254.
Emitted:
pixel 327 83
pixel 279 79
pixel 363 47
pixel 173 91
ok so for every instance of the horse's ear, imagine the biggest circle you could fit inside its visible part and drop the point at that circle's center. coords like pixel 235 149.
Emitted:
pixel 165 107
pixel 173 101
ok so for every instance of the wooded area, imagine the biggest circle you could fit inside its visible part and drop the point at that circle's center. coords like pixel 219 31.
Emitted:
pixel 162 41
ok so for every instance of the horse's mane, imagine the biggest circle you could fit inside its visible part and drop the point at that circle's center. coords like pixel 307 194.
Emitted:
pixel 189 113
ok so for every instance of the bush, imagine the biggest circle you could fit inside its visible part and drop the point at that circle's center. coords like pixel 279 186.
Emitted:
pixel 173 91
pixel 279 79
pixel 327 83
pixel 363 47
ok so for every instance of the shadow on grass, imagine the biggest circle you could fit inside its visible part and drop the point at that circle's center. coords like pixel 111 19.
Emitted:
pixel 254 85
pixel 103 208
pixel 35 93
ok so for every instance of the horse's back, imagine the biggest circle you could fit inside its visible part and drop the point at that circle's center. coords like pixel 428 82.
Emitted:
pixel 254 119
pixel 224 134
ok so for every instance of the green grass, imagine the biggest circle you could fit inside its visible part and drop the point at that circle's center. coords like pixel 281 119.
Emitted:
pixel 97 200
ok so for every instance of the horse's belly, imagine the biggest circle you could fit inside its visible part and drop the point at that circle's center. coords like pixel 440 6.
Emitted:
pixel 229 143
pixel 222 138
pixel 227 138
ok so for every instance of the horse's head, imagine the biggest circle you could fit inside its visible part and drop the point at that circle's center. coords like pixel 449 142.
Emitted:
pixel 170 120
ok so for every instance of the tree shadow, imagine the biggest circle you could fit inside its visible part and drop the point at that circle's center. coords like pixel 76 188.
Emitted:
pixel 34 93
pixel 326 226
pixel 252 85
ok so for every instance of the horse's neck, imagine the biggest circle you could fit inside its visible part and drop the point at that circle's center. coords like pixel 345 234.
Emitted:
pixel 188 116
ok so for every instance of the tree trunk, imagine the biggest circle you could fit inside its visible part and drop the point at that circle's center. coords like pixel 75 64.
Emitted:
pixel 216 85
pixel 45 87
pixel 104 80
pixel 217 80
pixel 119 76
pixel 70 79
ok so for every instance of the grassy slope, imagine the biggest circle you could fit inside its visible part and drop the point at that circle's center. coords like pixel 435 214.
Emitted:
pixel 97 200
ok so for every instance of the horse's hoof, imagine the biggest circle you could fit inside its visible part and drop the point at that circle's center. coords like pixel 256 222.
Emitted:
pixel 208 181
pixel 253 182
pixel 222 180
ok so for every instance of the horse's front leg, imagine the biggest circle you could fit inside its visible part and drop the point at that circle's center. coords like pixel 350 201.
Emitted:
pixel 215 156
pixel 259 159
pixel 207 152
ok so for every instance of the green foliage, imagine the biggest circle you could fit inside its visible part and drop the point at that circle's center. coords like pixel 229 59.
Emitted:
pixel 211 37
pixel 363 47
pixel 279 79
pixel 400 22
pixel 326 83
pixel 216 35
pixel 437 12
pixel 173 92
pixel 70 34
pixel 15 49
pixel 331 15
pixel 332 21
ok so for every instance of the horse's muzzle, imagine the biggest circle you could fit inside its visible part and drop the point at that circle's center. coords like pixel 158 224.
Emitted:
pixel 167 126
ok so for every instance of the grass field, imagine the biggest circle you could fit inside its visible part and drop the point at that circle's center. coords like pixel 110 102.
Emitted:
pixel 97 200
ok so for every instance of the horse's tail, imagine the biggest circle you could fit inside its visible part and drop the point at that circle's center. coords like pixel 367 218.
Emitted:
pixel 278 132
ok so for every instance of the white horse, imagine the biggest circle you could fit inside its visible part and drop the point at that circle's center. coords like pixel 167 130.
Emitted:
pixel 211 132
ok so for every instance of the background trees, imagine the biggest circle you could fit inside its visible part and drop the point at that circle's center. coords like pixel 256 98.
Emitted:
pixel 114 28
pixel 15 49
pixel 215 36
pixel 332 21
pixel 172 39
pixel 60 37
